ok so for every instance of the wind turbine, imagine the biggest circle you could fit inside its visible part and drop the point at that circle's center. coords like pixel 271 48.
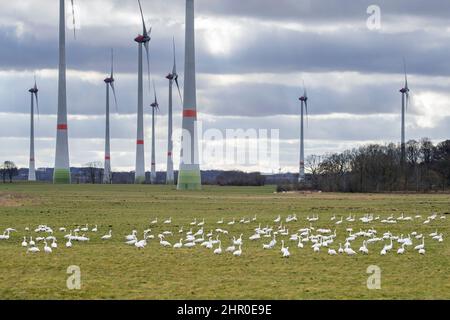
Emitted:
pixel 172 77
pixel 34 95
pixel 61 173
pixel 107 175
pixel 155 108
pixel 142 40
pixel 189 177
pixel 405 101
pixel 304 109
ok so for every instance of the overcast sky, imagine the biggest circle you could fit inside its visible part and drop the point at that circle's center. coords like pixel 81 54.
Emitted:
pixel 252 58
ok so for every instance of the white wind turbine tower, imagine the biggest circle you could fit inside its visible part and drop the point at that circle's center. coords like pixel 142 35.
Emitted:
pixel 142 40
pixel 189 177
pixel 304 109
pixel 405 101
pixel 61 174
pixel 34 95
pixel 107 176
pixel 172 77
pixel 155 108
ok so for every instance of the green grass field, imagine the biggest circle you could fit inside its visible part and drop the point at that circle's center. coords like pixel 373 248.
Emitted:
pixel 113 270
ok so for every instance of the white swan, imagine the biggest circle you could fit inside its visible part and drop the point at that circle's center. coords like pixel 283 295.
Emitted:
pixel 47 249
pixel 95 229
pixel 107 236
pixel 420 246
pixel 32 243
pixel 238 253
pixel 69 243
pixel 219 249
pixel 178 245
pixel 401 250
pixel 332 252
pixel 54 245
pixel 24 243
pixel 33 249
pixel 168 221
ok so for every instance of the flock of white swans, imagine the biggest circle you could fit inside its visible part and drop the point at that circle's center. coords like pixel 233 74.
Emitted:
pixel 310 237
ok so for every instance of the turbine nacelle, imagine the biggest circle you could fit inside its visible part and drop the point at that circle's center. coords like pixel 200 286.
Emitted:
pixel 109 80
pixel 172 76
pixel 142 39
pixel 304 99
pixel 33 90
pixel 404 90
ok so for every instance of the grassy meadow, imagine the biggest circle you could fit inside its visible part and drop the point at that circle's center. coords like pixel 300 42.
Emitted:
pixel 113 270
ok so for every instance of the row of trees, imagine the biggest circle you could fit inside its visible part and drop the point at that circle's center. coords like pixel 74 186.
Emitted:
pixel 378 168
pixel 8 170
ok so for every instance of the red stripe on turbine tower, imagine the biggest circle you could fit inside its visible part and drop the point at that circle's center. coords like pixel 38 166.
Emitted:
pixel 190 113
pixel 107 158
pixel 62 127
pixel 140 142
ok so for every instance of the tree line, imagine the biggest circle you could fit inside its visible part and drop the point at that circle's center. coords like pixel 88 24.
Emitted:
pixel 379 168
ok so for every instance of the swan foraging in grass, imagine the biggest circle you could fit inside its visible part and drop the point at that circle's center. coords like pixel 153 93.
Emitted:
pixel 33 249
pixel 422 251
pixel 189 244
pixel 286 253
pixel 54 245
pixel 332 252
pixel 107 236
pixel 231 249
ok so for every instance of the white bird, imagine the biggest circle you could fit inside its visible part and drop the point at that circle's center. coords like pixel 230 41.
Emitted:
pixel 69 243
pixel 168 221
pixel 62 229
pixel 238 253
pixel 401 250
pixel 232 222
pixel 332 252
pixel 154 221
pixel 286 253
pixel 33 249
pixel 24 243
pixel 339 222
pixel 220 221
pixel 164 243
pixel 231 249
pixel 422 251
pixel 178 244
pixel 54 245
pixel 85 229
pixel 277 219
pixel 107 236
pixel 364 249
pixel 47 249
pixel 201 223
pixel 193 223
pixel 189 244
pixel 131 236
pixel 95 229
pixel 32 243
pixel 219 249
pixel 420 246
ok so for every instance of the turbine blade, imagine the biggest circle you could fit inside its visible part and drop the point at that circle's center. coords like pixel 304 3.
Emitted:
pixel 73 21
pixel 179 91
pixel 115 97
pixel 112 63
pixel 37 103
pixel 174 58
pixel 147 52
pixel 307 115
pixel 143 21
